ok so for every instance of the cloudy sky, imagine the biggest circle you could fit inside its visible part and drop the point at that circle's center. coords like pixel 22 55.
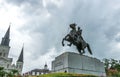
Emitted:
pixel 41 25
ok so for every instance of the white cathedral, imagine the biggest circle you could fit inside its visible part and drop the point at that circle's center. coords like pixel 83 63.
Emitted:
pixel 5 61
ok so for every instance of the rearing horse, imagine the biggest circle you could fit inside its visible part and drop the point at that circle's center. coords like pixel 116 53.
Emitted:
pixel 76 40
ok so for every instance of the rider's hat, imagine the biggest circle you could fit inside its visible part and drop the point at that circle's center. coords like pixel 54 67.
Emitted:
pixel 72 25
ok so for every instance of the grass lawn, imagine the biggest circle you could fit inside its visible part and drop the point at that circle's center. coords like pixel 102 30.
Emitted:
pixel 66 75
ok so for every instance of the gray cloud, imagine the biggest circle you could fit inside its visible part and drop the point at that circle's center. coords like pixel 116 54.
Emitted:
pixel 21 2
pixel 96 19
pixel 48 25
pixel 28 6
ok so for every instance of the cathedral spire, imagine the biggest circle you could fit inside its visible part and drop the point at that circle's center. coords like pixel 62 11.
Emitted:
pixel 45 66
pixel 5 40
pixel 20 59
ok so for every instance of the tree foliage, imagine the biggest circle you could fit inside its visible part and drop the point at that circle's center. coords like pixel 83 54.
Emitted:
pixel 2 72
pixel 12 73
pixel 112 66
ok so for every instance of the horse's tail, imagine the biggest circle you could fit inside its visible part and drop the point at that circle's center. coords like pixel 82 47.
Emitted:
pixel 88 47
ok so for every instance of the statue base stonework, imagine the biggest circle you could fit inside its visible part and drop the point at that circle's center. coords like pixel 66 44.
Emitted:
pixel 75 63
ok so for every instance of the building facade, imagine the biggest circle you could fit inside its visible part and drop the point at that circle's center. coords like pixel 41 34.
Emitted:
pixel 5 61
pixel 36 72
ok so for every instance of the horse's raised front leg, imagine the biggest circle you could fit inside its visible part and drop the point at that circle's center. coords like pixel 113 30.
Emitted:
pixel 63 42
pixel 66 37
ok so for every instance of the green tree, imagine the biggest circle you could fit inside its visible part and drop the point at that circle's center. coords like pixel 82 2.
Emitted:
pixel 117 66
pixel 113 63
pixel 14 71
pixel 9 74
pixel 106 63
pixel 112 67
pixel 2 72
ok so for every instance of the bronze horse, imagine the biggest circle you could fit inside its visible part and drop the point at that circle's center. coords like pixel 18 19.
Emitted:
pixel 76 40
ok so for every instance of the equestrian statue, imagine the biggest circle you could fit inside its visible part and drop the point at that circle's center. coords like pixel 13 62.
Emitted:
pixel 75 38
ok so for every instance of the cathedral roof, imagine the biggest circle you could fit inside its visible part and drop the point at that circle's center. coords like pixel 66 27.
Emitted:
pixel 20 59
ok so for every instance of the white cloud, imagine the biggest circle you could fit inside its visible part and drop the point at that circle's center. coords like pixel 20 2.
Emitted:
pixel 41 25
pixel 58 3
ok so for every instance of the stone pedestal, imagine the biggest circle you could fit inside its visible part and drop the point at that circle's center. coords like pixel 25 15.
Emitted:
pixel 75 63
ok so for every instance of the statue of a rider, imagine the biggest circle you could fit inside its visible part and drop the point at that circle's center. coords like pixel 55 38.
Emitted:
pixel 72 33
pixel 76 35
pixel 75 38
